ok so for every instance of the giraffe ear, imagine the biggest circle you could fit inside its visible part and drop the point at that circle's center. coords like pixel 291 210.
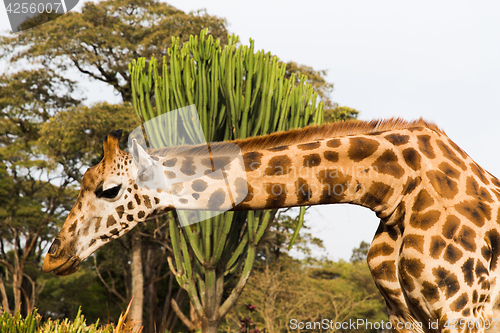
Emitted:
pixel 111 143
pixel 142 161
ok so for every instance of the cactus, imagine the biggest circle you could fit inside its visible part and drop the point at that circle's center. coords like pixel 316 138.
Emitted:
pixel 238 93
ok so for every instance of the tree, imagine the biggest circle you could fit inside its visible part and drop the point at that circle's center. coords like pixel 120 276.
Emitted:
pixel 105 37
pixel 333 112
pixel 360 253
pixel 287 291
pixel 32 203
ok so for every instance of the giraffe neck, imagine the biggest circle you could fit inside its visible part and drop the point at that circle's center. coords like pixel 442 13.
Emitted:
pixel 361 169
pixel 373 170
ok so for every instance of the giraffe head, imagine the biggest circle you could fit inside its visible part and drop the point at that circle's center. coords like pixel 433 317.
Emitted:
pixel 110 204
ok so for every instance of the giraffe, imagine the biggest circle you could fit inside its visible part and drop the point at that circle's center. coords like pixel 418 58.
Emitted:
pixel 434 257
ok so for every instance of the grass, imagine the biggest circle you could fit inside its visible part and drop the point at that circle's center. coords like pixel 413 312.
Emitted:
pixel 32 323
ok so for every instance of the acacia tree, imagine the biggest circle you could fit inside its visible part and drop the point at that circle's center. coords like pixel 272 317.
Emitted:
pixel 102 39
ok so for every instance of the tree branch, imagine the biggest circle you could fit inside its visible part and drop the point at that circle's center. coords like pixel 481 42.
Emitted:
pixel 185 320
pixel 5 300
pixel 110 289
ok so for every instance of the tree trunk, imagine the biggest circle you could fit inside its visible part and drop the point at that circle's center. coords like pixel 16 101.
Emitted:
pixel 210 326
pixel 137 281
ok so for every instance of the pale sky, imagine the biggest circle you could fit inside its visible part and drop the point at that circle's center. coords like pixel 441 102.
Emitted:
pixel 439 60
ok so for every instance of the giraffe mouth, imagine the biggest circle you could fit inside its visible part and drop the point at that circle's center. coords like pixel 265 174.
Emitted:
pixel 64 266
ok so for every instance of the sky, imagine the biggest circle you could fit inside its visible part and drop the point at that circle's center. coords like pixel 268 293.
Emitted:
pixel 439 60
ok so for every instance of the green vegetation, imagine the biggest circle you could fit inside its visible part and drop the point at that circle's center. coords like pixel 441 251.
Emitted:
pixel 32 323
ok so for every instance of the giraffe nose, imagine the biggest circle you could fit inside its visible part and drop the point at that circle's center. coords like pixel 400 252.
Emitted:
pixel 54 247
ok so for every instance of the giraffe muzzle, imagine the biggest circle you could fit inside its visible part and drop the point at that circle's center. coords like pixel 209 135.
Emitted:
pixel 64 266
pixel 55 261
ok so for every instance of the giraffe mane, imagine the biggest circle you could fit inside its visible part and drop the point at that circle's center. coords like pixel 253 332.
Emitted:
pixel 300 135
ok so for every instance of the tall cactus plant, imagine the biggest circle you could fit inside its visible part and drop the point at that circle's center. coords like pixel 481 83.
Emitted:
pixel 238 93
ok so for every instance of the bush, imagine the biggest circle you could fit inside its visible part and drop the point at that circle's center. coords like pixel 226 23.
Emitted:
pixel 32 324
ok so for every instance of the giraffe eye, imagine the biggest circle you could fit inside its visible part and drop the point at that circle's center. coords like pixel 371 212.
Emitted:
pixel 110 193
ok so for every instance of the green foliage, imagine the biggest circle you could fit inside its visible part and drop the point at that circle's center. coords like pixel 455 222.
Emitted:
pixel 32 323
pixel 360 253
pixel 31 204
pixel 76 135
pixel 340 113
pixel 104 37
pixel 290 289
pixel 17 324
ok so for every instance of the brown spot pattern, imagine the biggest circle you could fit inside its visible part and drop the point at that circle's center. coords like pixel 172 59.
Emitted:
pixel 361 148
pixel 252 160
pixel 111 220
pixel 437 246
pixel 467 238
pixel 423 200
pixel 147 202
pixel 449 170
pixel 424 145
pixel 472 188
pixel 276 194
pixel 388 164
pixel 170 162
pixel 385 271
pixel 199 185
pixel 170 174
pixel 411 184
pixel 120 210
pixel 412 158
pixel 442 184
pixel 424 220
pixel 216 199
pixel 187 167
pixel 397 139
pixel 492 238
pixel 450 227
pixel 333 143
pixel 311 160
pixel 221 161
pixel 309 146
pixel 241 189
pixel 382 249
pixel 430 292
pixel 467 271
pixel 331 156
pixel 459 303
pixel 334 185
pixel 475 211
pixel 377 194
pixel 452 254
pixel 282 148
pixel 450 155
pixel 303 191
pixel 414 241
pixel 446 281
pixel 278 165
